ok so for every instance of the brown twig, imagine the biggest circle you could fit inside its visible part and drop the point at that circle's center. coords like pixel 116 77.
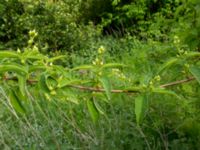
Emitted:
pixel 177 82
pixel 131 91
pixel 84 88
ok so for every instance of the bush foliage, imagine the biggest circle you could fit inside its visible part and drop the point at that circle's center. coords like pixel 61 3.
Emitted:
pixel 99 74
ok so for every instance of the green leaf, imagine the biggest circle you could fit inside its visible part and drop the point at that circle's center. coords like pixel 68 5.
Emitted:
pixel 73 99
pixel 42 83
pixel 50 82
pixel 195 70
pixel 192 54
pixel 65 82
pixel 107 86
pixel 67 95
pixel 140 108
pixel 16 103
pixel 135 89
pixel 100 96
pixel 57 58
pixel 163 91
pixel 93 110
pixel 36 68
pixel 13 68
pixel 113 65
pixel 22 84
pixel 115 2
pixel 84 67
pixel 98 107
pixel 168 64
pixel 8 54
pixel 37 57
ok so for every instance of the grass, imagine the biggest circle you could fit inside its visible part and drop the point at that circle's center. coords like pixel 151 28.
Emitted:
pixel 63 125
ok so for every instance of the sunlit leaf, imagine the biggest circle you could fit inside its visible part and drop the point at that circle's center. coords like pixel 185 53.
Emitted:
pixel 84 67
pixel 57 58
pixel 50 82
pixel 115 2
pixel 8 54
pixel 65 82
pixel 192 54
pixel 73 99
pixel 36 68
pixel 22 84
pixel 37 56
pixel 13 68
pixel 135 89
pixel 67 95
pixel 113 65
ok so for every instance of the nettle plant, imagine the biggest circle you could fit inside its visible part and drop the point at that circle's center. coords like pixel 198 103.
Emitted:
pixel 28 75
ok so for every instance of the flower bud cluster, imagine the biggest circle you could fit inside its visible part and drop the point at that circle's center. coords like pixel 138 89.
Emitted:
pixel 119 74
pixel 32 35
pixel 186 69
pixel 186 66
pixel 98 62
pixel 157 78
pixel 176 39
pixel 18 50
pixel 154 81
pixel 101 50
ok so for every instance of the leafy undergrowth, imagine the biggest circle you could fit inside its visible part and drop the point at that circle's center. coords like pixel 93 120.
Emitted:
pixel 99 75
pixel 150 100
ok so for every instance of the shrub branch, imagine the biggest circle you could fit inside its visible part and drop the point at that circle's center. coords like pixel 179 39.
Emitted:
pixel 177 82
pixel 84 88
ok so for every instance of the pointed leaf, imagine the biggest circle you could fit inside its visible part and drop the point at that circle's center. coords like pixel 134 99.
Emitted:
pixel 16 68
pixel 72 99
pixel 113 65
pixel 65 82
pixel 140 108
pixel 22 84
pixel 84 67
pixel 50 82
pixel 163 91
pixel 36 68
pixel 16 103
pixel 42 84
pixel 168 64
pixel 92 110
pixel 36 56
pixel 135 89
pixel 66 95
pixel 195 70
pixel 8 54
pixel 98 107
pixel 57 58
pixel 107 86
pixel 192 54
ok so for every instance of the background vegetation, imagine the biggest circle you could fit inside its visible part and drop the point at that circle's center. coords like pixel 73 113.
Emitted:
pixel 95 74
